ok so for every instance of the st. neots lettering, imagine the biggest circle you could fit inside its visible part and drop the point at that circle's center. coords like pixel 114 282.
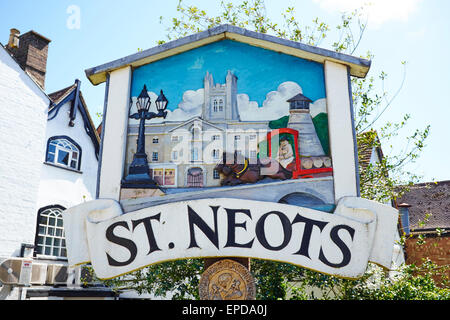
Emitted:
pixel 339 243
pixel 197 224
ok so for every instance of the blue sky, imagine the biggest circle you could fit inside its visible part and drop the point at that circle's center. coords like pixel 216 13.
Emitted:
pixel 416 31
pixel 259 71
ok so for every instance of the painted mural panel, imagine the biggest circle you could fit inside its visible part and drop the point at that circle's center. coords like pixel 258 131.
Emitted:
pixel 236 115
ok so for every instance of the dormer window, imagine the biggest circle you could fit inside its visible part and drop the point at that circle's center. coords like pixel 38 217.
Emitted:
pixel 65 152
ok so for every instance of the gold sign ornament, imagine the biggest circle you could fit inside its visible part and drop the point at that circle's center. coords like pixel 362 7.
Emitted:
pixel 227 280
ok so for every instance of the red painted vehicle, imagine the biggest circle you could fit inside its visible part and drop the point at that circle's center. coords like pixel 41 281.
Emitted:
pixel 298 172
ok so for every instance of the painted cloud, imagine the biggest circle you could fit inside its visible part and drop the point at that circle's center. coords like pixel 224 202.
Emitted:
pixel 189 107
pixel 274 106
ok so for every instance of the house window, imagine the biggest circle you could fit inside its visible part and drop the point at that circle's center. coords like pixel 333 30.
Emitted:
pixel 64 151
pixel 169 177
pixel 215 137
pixel 216 174
pixel 158 176
pixel 164 176
pixel 155 140
pixel 194 154
pixel 216 154
pixel 236 138
pixel 50 238
pixel 252 136
pixel 253 154
pixel 175 139
pixel 175 155
pixel 220 105
pixel 215 105
pixel 155 156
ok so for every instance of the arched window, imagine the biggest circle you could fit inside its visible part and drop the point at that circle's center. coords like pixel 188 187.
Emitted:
pixel 50 238
pixel 63 151
pixel 215 105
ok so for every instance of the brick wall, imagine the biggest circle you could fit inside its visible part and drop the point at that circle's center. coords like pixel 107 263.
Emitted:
pixel 437 249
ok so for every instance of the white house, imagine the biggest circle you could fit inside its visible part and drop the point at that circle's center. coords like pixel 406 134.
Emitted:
pixel 48 163
pixel 23 124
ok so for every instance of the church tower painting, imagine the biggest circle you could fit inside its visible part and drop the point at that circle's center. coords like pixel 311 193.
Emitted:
pixel 220 101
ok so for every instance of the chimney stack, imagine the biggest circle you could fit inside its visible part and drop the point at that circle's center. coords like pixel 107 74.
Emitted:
pixel 13 39
pixel 31 52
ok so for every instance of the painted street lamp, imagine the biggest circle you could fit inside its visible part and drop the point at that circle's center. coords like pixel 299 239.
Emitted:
pixel 139 172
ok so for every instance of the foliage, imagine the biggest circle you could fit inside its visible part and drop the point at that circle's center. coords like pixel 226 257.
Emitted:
pixel 379 182
pixel 382 182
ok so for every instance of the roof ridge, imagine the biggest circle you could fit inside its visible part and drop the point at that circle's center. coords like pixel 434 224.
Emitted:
pixel 59 95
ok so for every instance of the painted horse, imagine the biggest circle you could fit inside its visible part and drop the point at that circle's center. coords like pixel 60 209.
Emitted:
pixel 238 170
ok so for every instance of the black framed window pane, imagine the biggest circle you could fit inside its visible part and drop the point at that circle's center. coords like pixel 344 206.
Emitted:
pixel 51 157
pixel 63 157
pixel 58 233
pixel 51 231
pixel 42 230
pixel 43 220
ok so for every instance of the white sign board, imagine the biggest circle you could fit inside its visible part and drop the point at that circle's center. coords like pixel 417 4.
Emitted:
pixel 339 244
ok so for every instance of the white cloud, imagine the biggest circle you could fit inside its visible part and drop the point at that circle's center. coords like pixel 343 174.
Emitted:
pixel 378 11
pixel 318 106
pixel 274 106
pixel 189 107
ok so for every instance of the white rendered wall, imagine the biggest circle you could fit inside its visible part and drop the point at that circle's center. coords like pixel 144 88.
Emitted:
pixel 60 186
pixel 23 121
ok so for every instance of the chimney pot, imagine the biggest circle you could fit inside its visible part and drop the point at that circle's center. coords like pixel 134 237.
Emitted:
pixel 13 38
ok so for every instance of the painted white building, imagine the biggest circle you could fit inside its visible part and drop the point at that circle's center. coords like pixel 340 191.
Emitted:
pixel 23 123
pixel 184 153
pixel 48 163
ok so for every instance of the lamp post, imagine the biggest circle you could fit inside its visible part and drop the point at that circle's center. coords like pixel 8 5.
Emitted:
pixel 138 173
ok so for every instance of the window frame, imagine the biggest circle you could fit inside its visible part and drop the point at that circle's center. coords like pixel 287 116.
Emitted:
pixel 53 236
pixel 55 161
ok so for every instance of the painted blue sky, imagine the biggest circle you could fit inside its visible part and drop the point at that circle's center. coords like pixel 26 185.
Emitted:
pixel 259 71
pixel 415 31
